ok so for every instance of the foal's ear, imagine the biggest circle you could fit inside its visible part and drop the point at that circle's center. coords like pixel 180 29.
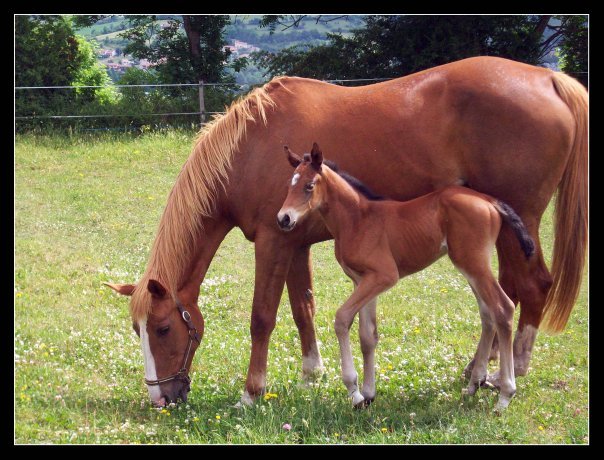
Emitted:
pixel 316 155
pixel 293 159
pixel 156 289
pixel 124 289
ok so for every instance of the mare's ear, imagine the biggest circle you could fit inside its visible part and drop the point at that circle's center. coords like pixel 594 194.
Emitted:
pixel 316 155
pixel 293 159
pixel 156 289
pixel 123 289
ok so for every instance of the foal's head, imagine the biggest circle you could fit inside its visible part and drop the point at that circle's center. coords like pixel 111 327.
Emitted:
pixel 304 191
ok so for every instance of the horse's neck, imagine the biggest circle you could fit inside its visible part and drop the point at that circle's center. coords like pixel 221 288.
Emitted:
pixel 342 205
pixel 208 241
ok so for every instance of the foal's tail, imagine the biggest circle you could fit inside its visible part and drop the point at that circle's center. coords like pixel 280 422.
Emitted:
pixel 515 223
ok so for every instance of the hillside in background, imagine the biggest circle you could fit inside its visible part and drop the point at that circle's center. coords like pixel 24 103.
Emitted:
pixel 244 36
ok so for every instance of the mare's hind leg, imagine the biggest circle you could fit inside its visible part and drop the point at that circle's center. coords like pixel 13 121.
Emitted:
pixel 368 336
pixel 531 284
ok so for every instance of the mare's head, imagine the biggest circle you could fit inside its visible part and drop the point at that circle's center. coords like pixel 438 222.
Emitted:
pixel 170 330
pixel 304 192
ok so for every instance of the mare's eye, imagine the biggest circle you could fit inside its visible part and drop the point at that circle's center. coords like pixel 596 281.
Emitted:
pixel 309 186
pixel 163 330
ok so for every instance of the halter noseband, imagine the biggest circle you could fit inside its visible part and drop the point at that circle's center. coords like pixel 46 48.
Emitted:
pixel 182 374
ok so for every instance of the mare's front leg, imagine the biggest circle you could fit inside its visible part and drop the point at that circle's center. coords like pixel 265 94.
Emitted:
pixel 369 287
pixel 299 287
pixel 273 257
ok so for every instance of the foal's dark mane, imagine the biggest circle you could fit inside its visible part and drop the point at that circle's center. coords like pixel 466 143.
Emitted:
pixel 354 182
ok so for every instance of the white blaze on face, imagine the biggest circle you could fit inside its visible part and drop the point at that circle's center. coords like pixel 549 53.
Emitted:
pixel 295 179
pixel 150 372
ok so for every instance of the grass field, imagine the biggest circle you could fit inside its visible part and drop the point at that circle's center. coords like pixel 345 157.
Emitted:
pixel 86 211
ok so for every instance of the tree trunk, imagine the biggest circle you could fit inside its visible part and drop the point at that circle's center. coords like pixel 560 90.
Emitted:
pixel 194 39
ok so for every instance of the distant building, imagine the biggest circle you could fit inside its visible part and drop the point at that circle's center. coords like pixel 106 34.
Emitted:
pixel 241 49
pixel 105 53
pixel 144 64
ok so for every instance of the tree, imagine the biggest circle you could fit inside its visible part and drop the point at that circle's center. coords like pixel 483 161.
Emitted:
pixel 46 51
pixel 572 49
pixel 392 46
pixel 198 54
pixel 49 53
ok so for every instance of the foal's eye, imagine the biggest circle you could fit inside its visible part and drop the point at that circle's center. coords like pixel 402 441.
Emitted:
pixel 310 186
pixel 163 330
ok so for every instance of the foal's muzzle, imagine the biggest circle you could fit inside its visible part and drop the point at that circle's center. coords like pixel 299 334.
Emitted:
pixel 285 222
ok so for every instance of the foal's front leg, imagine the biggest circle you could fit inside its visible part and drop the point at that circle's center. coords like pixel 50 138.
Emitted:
pixel 369 288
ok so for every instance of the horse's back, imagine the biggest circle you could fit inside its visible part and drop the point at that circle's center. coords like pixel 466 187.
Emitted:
pixel 486 121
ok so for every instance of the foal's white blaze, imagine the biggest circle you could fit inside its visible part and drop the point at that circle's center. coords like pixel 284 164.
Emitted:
pixel 295 179
pixel 150 372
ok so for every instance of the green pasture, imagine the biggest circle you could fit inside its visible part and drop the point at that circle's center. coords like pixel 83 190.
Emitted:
pixel 86 211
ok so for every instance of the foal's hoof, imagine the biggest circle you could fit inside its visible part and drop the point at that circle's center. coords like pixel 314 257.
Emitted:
pixel 358 400
pixel 502 404
pixel 363 404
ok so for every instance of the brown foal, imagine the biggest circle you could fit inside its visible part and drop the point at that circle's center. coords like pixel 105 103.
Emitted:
pixel 379 241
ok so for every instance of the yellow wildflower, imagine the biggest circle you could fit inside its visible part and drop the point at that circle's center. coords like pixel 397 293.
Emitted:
pixel 384 430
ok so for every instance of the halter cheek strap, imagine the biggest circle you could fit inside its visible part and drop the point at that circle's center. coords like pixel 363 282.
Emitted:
pixel 182 374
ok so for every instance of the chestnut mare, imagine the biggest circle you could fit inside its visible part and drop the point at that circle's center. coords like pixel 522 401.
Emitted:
pixel 379 241
pixel 511 130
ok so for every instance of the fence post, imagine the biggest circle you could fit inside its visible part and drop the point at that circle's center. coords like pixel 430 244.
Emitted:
pixel 202 103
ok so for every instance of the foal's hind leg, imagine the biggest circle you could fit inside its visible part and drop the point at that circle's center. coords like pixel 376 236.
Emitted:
pixel 497 313
pixel 478 373
pixel 368 336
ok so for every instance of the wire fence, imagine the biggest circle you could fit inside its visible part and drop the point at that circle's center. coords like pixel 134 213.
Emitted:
pixel 139 98
pixel 136 104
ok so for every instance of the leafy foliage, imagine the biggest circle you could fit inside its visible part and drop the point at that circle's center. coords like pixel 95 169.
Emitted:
pixel 46 51
pixel 197 54
pixel 49 53
pixel 573 52
pixel 391 46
